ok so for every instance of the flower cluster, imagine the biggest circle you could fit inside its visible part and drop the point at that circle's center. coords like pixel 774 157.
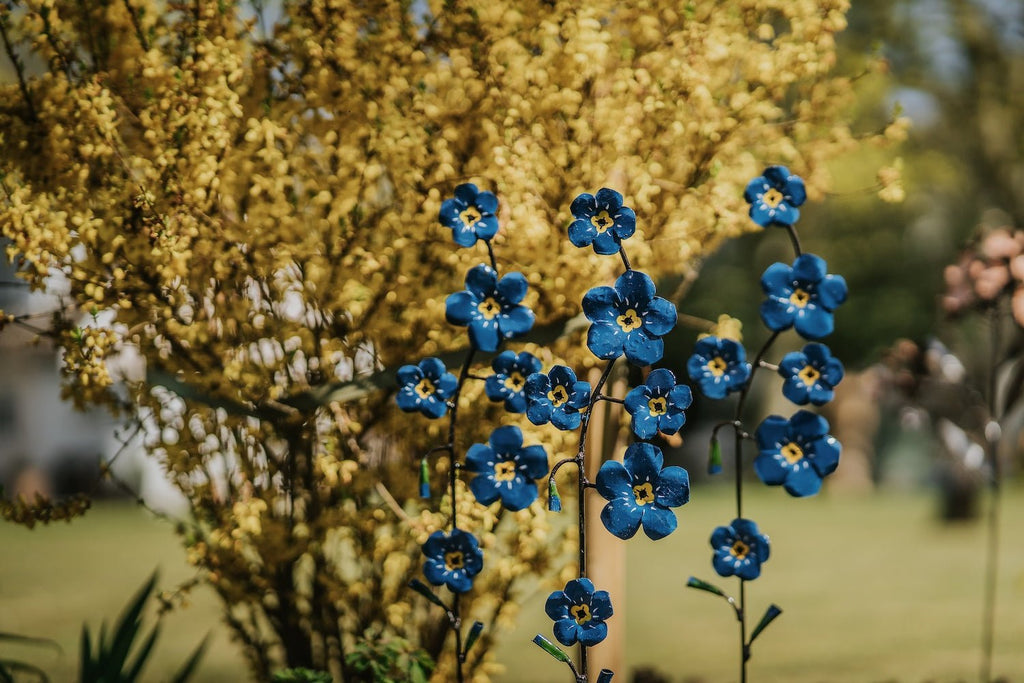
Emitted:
pixel 796 453
pixel 503 470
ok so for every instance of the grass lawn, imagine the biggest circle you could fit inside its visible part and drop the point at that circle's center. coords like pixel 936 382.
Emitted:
pixel 873 589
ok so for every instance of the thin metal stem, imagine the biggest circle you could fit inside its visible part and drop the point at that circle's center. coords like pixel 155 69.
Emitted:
pixel 453 475
pixel 794 239
pixel 625 259
pixel 744 646
pixel 595 396
pixel 490 255
pixel 992 434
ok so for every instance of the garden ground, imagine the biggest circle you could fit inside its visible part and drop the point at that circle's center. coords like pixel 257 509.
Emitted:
pixel 873 589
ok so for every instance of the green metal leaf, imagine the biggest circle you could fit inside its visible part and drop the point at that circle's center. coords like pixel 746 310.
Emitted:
pixel 552 649
pixel 474 633
pixel 715 457
pixel 694 582
pixel 424 478
pixel 422 589
pixel 769 616
pixel 554 500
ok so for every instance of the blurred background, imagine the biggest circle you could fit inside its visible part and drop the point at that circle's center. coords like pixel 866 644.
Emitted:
pixel 883 573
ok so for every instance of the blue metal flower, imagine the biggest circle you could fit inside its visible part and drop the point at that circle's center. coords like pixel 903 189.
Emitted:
pixel 801 296
pixel 641 492
pixel 628 318
pixel 490 307
pixel 506 470
pixel 579 613
pixel 508 383
pixel 796 453
pixel 425 387
pixel 657 405
pixel 602 221
pixel 557 397
pixel 774 196
pixel 810 375
pixel 718 366
pixel 452 559
pixel 739 549
pixel 470 215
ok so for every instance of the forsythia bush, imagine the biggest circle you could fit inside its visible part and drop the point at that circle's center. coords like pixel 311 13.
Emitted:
pixel 246 198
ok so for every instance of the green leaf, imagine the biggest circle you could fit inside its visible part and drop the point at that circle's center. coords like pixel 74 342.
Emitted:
pixel 552 649
pixel 142 655
pixel 422 589
pixel 127 629
pixel 694 582
pixel 769 616
pixel 192 662
pixel 474 634
pixel 715 457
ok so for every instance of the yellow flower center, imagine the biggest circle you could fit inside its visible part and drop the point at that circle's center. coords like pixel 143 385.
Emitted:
pixel 809 375
pixel 717 366
pixel 602 221
pixel 489 307
pixel 581 613
pixel 792 453
pixel 739 549
pixel 657 406
pixel 454 560
pixel 558 395
pixel 772 198
pixel 425 389
pixel 629 321
pixel 505 471
pixel 469 215
pixel 799 298
pixel 644 493
pixel 514 381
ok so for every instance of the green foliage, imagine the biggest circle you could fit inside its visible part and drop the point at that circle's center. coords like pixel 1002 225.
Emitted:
pixel 385 659
pixel 301 675
pixel 9 668
pixel 111 662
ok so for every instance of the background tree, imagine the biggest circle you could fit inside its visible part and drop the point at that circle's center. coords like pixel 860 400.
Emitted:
pixel 247 202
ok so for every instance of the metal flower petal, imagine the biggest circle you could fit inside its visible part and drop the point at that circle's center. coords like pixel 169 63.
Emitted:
pixel 557 397
pixel 579 613
pixel 658 405
pixel 718 366
pixel 452 559
pixel 505 469
pixel 470 215
pixel 601 221
pixel 802 296
pixel 740 549
pixel 774 197
pixel 425 387
pixel 810 375
pixel 640 493
pixel 490 307
pixel 628 319
pixel 796 453
pixel 508 383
